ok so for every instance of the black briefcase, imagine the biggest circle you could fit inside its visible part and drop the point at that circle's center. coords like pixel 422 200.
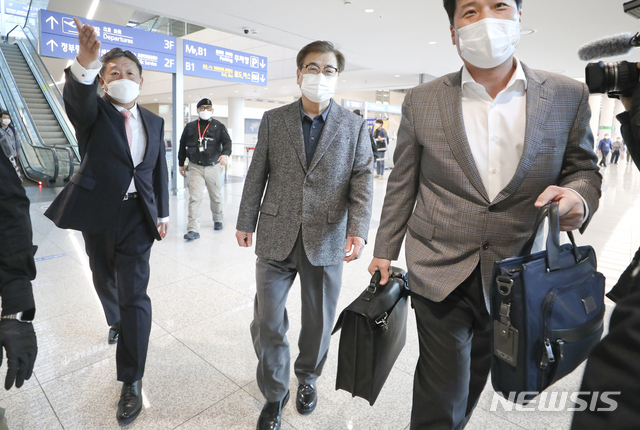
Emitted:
pixel 374 331
pixel 547 310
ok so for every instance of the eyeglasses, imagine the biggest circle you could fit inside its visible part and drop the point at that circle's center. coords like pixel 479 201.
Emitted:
pixel 201 108
pixel 314 69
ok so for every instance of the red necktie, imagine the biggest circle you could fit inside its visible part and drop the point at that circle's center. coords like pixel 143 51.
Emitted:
pixel 127 125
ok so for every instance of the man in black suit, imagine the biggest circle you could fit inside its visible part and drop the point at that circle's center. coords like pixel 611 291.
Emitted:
pixel 119 198
pixel 17 269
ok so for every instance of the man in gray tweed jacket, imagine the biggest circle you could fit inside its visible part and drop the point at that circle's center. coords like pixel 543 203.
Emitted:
pixel 478 152
pixel 315 160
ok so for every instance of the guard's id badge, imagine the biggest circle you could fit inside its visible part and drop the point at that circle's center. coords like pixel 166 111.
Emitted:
pixel 505 342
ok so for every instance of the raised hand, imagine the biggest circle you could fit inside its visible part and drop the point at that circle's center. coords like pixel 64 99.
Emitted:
pixel 89 45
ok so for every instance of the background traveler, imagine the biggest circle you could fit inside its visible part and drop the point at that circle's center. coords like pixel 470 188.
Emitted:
pixel 604 146
pixel 207 144
pixel 382 142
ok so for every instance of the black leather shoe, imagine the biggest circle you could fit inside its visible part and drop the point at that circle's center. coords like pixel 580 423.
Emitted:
pixel 271 415
pixel 307 399
pixel 217 225
pixel 114 332
pixel 192 235
pixel 130 403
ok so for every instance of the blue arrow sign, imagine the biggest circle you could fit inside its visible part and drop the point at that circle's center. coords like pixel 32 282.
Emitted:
pixel 59 38
pixel 215 62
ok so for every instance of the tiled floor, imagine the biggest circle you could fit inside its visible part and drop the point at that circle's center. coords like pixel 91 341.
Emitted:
pixel 201 364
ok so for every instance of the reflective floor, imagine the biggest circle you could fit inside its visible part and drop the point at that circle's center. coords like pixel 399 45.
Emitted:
pixel 201 365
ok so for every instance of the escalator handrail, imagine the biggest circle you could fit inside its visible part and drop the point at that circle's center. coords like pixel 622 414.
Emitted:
pixel 26 164
pixel 14 27
pixel 12 83
pixel 72 161
pixel 56 109
pixel 53 88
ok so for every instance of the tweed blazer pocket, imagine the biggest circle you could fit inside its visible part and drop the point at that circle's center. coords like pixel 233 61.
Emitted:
pixel 269 208
pixel 335 217
pixel 83 181
pixel 420 227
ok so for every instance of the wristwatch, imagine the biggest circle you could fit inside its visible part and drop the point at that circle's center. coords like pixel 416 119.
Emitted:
pixel 17 316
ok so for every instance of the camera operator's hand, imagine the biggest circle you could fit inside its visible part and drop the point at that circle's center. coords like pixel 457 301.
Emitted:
pixel 19 340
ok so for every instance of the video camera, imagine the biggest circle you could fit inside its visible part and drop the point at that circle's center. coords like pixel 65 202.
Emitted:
pixel 614 79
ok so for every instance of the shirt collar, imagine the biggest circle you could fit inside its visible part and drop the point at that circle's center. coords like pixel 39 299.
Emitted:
pixel 518 76
pixel 323 114
pixel 133 110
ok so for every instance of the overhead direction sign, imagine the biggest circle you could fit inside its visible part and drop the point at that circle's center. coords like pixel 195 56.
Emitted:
pixel 18 9
pixel 59 38
pixel 215 62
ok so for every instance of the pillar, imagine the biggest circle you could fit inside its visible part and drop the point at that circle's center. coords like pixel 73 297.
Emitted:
pixel 595 103
pixel 236 119
pixel 177 100
pixel 606 117
pixel 617 109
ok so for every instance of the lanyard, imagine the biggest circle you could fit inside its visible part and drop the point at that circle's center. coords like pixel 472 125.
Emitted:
pixel 201 136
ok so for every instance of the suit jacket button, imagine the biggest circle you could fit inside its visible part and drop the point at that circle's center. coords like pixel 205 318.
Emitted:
pixel 485 246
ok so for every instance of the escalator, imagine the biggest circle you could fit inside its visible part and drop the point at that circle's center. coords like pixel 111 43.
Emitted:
pixel 49 153
pixel 45 120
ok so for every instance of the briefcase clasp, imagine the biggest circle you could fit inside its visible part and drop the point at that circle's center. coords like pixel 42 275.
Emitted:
pixel 382 320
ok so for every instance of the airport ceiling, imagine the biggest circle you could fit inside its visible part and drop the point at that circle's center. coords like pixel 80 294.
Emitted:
pixel 385 49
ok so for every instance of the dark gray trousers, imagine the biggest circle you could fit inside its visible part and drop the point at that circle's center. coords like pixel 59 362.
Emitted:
pixel 320 288
pixel 455 357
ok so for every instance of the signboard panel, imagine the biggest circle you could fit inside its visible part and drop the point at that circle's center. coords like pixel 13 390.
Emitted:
pixel 18 9
pixel 379 107
pixel 209 61
pixel 353 104
pixel 59 38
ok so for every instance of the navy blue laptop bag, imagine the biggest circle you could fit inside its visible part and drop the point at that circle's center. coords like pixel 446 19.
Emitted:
pixel 547 310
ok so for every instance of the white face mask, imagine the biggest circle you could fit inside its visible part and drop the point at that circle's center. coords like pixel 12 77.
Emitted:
pixel 318 88
pixel 489 42
pixel 6 121
pixel 205 115
pixel 123 90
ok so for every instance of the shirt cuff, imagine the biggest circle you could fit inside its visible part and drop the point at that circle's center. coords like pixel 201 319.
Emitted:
pixel 584 202
pixel 85 76
pixel 165 219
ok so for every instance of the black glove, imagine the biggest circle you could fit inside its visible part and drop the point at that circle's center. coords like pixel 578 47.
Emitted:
pixel 19 340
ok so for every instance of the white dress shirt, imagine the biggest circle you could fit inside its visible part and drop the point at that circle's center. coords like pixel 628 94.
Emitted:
pixel 139 137
pixel 496 129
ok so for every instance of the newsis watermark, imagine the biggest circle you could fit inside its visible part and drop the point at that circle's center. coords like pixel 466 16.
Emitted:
pixel 556 401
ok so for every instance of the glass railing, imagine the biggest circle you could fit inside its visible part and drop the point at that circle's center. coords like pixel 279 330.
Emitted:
pixel 39 162
pixel 51 92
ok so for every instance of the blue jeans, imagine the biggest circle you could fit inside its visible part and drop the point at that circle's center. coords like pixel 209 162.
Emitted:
pixel 380 166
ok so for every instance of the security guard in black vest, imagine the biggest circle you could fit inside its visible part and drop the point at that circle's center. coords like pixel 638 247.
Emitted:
pixel 207 144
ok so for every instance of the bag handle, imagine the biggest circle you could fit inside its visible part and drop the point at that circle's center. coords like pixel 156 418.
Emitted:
pixel 551 212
